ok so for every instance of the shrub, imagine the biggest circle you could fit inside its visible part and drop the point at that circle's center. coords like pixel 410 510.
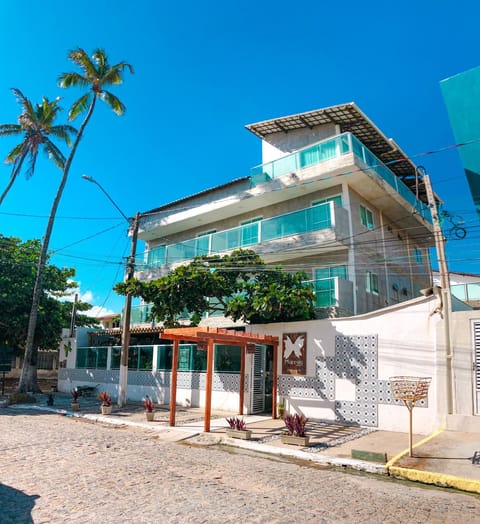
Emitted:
pixel 148 404
pixel 295 424
pixel 237 423
pixel 105 398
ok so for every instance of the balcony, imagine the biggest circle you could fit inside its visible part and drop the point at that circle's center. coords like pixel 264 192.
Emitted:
pixel 332 148
pixel 265 236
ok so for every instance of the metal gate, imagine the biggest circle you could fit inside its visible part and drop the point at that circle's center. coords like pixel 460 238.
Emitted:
pixel 258 380
pixel 476 366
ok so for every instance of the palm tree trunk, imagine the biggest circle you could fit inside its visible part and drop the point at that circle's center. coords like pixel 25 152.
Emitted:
pixel 28 377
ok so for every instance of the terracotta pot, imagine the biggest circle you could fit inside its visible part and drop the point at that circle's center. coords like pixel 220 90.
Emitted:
pixel 296 441
pixel 75 406
pixel 245 434
pixel 150 415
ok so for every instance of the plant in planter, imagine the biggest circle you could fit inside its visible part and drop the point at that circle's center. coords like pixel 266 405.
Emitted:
pixel 295 434
pixel 238 428
pixel 149 408
pixel 106 403
pixel 75 404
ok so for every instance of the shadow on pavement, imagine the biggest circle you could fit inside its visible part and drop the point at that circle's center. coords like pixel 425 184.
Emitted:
pixel 16 505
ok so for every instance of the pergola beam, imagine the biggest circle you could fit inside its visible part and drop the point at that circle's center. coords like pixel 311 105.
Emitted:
pixel 212 336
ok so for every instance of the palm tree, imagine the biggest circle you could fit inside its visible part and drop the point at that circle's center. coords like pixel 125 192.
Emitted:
pixel 96 74
pixel 36 124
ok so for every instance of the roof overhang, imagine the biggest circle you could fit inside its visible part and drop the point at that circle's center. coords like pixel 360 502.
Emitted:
pixel 350 119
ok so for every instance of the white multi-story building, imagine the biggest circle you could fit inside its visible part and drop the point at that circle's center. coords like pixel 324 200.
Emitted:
pixel 332 197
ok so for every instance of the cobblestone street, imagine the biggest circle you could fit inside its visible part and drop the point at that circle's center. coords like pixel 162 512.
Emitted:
pixel 56 469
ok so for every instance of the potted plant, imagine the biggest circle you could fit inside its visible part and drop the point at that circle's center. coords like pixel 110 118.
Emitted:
pixel 295 434
pixel 75 404
pixel 149 408
pixel 106 403
pixel 238 428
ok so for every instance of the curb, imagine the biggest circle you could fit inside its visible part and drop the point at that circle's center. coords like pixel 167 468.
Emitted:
pixel 429 477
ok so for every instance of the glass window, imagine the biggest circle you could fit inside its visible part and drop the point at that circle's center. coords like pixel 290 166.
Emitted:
pixel 202 243
pixel 91 357
pixel 250 231
pixel 337 200
pixel 366 217
pixel 371 282
pixel 115 358
pixel 417 253
pixel 325 284
pixel 145 358
pixel 227 358
pixel 156 256
pixel 164 357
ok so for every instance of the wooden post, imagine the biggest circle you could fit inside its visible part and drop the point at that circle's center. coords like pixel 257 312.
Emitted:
pixel 275 379
pixel 173 384
pixel 208 386
pixel 243 349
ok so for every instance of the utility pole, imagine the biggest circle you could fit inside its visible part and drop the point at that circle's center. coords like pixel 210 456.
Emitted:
pixel 445 291
pixel 130 270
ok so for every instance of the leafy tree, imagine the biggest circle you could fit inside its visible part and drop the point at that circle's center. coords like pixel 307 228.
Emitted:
pixel 17 267
pixel 96 74
pixel 36 125
pixel 240 286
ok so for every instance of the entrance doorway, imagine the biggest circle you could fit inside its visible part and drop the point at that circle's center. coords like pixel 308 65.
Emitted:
pixel 262 379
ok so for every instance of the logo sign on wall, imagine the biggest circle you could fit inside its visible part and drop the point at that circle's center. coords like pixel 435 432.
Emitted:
pixel 294 354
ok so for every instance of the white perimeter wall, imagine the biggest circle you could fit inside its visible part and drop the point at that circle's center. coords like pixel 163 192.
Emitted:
pixel 406 335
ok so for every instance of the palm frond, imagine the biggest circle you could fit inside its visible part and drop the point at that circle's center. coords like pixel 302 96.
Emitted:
pixel 66 80
pixel 79 106
pixel 10 129
pixel 115 103
pixel 54 153
pixel 23 101
pixel 64 133
pixel 80 57
pixel 14 153
pixel 32 160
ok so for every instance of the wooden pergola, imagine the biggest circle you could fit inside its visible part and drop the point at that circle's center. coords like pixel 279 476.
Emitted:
pixel 206 338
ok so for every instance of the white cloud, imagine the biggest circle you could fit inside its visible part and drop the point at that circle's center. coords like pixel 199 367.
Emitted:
pixel 98 311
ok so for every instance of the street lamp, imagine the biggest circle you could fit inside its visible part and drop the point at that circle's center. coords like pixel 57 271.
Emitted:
pixel 129 273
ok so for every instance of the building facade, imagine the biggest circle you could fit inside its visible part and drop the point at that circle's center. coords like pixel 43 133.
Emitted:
pixel 332 197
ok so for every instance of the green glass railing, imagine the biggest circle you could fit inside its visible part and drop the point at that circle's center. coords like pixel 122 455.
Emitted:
pixel 332 148
pixel 466 292
pixel 314 218
pixel 309 156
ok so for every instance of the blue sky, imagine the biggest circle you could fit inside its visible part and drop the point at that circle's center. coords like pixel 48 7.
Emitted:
pixel 203 70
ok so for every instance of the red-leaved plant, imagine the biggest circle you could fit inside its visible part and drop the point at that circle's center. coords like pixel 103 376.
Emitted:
pixel 74 395
pixel 237 423
pixel 148 404
pixel 295 424
pixel 105 398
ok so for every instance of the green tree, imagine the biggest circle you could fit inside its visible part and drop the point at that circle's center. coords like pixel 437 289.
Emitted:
pixel 240 286
pixel 17 267
pixel 96 74
pixel 36 124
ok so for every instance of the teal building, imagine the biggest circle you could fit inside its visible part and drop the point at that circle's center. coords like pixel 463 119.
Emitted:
pixel 461 94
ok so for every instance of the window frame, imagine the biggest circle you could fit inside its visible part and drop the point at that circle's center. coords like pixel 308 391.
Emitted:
pixel 372 283
pixel 365 214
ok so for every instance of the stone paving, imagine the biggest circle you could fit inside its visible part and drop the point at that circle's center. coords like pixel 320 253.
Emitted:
pixel 57 469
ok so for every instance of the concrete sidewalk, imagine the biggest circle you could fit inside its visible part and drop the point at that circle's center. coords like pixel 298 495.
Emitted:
pixel 442 459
